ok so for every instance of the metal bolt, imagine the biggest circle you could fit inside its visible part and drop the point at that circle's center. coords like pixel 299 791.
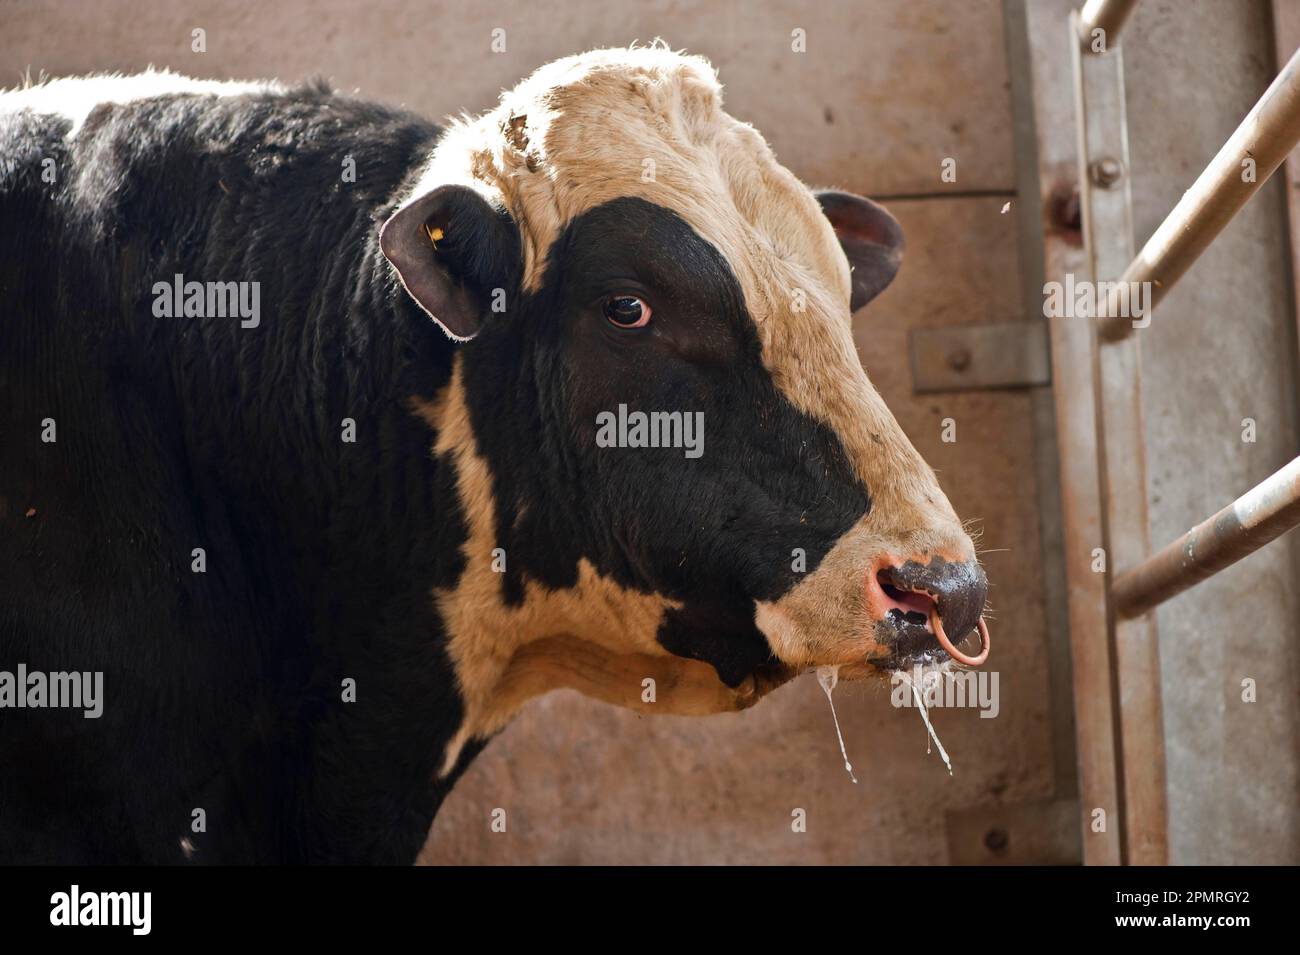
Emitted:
pixel 959 358
pixel 1105 172
pixel 996 841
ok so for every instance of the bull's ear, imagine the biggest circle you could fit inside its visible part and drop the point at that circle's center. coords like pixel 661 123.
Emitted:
pixel 871 238
pixel 453 252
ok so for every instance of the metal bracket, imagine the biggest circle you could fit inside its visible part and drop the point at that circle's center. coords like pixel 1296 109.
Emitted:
pixel 993 355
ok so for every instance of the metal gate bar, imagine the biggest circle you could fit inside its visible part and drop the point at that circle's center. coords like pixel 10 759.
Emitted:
pixel 1268 133
pixel 1105 201
pixel 1262 514
pixel 1097 377
pixel 1108 16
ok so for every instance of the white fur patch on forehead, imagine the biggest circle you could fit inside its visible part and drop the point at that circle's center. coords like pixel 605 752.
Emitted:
pixel 645 122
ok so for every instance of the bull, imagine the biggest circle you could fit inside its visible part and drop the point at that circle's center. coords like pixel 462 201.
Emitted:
pixel 322 554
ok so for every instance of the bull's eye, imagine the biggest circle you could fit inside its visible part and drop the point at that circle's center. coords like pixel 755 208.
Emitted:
pixel 627 311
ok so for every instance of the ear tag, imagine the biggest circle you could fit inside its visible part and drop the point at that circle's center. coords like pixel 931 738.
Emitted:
pixel 434 234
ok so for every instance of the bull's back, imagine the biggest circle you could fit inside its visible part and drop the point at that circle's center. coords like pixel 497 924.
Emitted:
pixel 125 437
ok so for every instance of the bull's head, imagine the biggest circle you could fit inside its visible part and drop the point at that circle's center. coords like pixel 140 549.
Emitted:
pixel 617 246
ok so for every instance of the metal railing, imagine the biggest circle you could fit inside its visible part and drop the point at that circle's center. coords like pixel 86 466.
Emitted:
pixel 1262 514
pixel 1247 159
pixel 1108 16
pixel 1100 415
pixel 1250 156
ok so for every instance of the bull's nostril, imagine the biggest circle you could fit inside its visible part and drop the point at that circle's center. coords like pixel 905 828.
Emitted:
pixel 892 592
pixel 910 603
pixel 947 597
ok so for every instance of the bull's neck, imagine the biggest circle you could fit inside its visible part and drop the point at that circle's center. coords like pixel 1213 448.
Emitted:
pixel 302 429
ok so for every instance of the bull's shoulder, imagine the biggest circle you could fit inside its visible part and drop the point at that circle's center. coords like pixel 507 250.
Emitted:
pixel 72 99
pixel 40 123
pixel 104 142
pixel 29 142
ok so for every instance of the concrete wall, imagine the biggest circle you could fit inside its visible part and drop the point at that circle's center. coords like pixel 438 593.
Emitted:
pixel 885 92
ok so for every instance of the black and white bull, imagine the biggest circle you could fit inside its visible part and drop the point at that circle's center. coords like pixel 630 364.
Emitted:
pixel 322 553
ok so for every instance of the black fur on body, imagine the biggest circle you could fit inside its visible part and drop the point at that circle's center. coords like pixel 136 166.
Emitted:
pixel 223 689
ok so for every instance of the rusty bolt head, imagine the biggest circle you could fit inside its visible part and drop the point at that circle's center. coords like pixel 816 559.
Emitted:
pixel 1106 172
pixel 996 840
pixel 959 358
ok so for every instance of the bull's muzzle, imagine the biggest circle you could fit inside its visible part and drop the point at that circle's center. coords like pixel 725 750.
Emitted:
pixel 926 610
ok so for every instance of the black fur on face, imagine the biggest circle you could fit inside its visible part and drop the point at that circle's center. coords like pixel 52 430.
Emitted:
pixel 715 532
